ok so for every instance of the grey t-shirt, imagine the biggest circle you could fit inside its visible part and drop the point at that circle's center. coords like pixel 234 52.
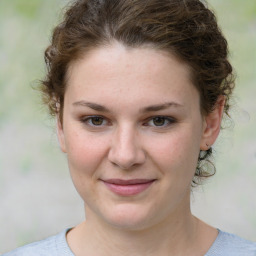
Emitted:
pixel 225 245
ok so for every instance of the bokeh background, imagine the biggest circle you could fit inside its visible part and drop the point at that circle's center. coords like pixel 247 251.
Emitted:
pixel 37 198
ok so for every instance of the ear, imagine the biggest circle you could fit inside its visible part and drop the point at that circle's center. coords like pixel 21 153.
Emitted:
pixel 61 135
pixel 212 124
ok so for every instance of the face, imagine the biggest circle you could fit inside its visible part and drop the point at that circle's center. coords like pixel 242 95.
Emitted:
pixel 132 130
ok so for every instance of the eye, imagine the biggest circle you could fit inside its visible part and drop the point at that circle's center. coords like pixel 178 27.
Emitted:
pixel 94 121
pixel 160 121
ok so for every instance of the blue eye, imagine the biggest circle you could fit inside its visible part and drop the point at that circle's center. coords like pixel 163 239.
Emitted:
pixel 160 121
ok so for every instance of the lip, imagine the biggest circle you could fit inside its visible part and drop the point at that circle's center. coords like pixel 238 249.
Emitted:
pixel 128 187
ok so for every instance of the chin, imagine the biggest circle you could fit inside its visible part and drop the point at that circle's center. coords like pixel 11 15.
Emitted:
pixel 128 216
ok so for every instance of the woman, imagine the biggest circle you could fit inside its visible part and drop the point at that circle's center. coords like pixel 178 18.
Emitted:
pixel 139 88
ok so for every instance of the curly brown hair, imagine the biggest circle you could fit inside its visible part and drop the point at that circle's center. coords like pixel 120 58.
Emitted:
pixel 185 28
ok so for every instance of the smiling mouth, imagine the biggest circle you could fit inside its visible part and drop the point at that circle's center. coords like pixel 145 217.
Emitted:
pixel 128 187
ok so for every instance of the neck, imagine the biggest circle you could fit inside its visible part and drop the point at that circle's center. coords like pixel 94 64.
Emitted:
pixel 166 238
pixel 176 235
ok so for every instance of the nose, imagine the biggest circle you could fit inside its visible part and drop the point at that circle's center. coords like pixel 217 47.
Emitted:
pixel 126 150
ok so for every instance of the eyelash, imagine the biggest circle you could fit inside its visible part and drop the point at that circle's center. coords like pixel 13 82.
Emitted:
pixel 88 120
pixel 167 121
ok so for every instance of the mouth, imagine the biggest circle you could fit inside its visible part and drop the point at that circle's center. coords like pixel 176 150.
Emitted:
pixel 128 187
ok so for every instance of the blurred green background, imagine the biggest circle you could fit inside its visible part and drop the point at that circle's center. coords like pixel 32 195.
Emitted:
pixel 37 198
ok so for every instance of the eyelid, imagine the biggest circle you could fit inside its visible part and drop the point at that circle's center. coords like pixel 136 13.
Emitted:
pixel 106 122
pixel 171 120
pixel 85 120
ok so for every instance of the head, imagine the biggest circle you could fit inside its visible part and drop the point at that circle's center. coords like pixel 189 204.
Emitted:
pixel 186 29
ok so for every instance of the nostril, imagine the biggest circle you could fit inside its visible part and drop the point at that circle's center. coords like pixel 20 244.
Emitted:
pixel 126 159
pixel 126 149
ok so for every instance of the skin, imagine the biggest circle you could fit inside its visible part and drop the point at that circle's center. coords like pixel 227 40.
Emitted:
pixel 120 86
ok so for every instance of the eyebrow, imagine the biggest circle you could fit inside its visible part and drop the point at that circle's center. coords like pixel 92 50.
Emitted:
pixel 91 105
pixel 159 107
pixel 151 108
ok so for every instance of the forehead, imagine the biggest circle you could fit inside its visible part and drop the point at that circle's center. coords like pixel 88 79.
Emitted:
pixel 146 56
pixel 117 72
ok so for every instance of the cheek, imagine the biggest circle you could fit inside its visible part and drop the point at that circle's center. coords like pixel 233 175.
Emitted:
pixel 177 151
pixel 85 152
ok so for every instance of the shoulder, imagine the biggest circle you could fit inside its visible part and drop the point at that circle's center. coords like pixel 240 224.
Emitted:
pixel 51 246
pixel 228 244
